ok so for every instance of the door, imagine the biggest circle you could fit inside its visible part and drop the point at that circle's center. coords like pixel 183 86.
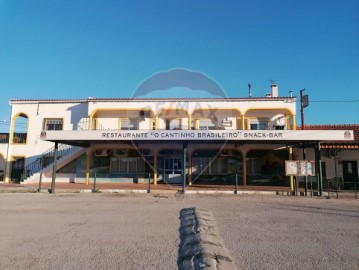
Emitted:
pixel 173 170
pixel 350 174
pixel 17 169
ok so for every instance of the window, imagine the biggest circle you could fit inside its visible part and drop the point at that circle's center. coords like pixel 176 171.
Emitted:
pixel 207 124
pixel 52 124
pixel 129 124
pixel 173 124
pixel 258 124
pixel 253 166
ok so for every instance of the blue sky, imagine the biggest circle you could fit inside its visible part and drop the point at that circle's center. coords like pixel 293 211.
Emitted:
pixel 100 48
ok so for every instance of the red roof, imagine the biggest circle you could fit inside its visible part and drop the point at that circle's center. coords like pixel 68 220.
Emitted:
pixel 337 144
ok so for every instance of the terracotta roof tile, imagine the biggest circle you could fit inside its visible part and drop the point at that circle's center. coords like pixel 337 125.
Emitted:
pixel 337 144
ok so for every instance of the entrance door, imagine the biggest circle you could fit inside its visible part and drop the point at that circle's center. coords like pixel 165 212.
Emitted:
pixel 173 170
pixel 350 173
pixel 17 170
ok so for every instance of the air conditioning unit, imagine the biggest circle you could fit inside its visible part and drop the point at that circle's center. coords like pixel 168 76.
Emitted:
pixel 101 153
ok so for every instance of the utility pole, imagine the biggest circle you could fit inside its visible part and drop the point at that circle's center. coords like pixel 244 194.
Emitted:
pixel 304 102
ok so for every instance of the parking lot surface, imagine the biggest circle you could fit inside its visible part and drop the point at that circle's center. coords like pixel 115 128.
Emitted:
pixel 141 231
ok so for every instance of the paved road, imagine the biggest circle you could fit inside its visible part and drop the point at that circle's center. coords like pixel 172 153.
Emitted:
pixel 114 231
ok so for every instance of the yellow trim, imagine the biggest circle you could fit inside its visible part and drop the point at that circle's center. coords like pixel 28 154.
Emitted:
pixel 286 110
pixel 155 168
pixel 294 127
pixel 153 124
pixel 13 121
pixel 218 109
pixel 88 167
pixel 97 110
pixel 168 110
pixel 243 122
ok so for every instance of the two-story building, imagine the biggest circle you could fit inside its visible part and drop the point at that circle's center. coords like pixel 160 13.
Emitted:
pixel 170 140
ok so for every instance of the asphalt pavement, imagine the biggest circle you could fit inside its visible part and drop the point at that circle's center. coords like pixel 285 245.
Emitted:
pixel 142 231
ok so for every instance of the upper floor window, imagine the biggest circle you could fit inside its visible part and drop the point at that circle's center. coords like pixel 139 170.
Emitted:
pixel 173 124
pixel 258 124
pixel 52 124
pixel 4 137
pixel 207 124
pixel 128 124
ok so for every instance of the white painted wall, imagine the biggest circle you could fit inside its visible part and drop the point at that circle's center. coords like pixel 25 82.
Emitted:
pixel 342 155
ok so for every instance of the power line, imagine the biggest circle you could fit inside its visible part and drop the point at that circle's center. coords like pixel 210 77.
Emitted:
pixel 332 101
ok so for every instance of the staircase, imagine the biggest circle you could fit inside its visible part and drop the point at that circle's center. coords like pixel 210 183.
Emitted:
pixel 45 162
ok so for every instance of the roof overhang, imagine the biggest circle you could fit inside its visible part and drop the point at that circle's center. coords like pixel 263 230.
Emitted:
pixel 86 138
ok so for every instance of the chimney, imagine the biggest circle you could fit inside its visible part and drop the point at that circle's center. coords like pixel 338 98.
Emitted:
pixel 274 88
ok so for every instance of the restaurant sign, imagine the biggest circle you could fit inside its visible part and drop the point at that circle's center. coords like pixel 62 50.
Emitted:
pixel 192 135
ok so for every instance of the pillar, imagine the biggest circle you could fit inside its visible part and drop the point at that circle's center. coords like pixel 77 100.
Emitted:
pixel 242 118
pixel 294 127
pixel 190 168
pixel 244 169
pixel 54 167
pixel 291 181
pixel 156 122
pixel 184 168
pixel 155 169
pixel 318 169
pixel 88 166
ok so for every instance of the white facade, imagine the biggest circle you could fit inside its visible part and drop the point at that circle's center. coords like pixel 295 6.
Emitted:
pixel 117 160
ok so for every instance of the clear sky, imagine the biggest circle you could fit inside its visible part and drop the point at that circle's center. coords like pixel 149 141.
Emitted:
pixel 101 48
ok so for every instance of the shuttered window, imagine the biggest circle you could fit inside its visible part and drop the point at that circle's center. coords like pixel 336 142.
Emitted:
pixel 52 124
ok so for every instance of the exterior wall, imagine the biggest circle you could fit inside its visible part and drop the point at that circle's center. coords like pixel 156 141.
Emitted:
pixel 3 149
pixel 156 106
pixel 106 114
pixel 342 155
pixel 74 116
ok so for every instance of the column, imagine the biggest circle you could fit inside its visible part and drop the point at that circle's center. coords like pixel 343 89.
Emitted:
pixel 294 127
pixel 155 168
pixel 190 168
pixel 291 182
pixel 88 165
pixel 318 169
pixel 54 167
pixel 244 169
pixel 156 122
pixel 242 118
